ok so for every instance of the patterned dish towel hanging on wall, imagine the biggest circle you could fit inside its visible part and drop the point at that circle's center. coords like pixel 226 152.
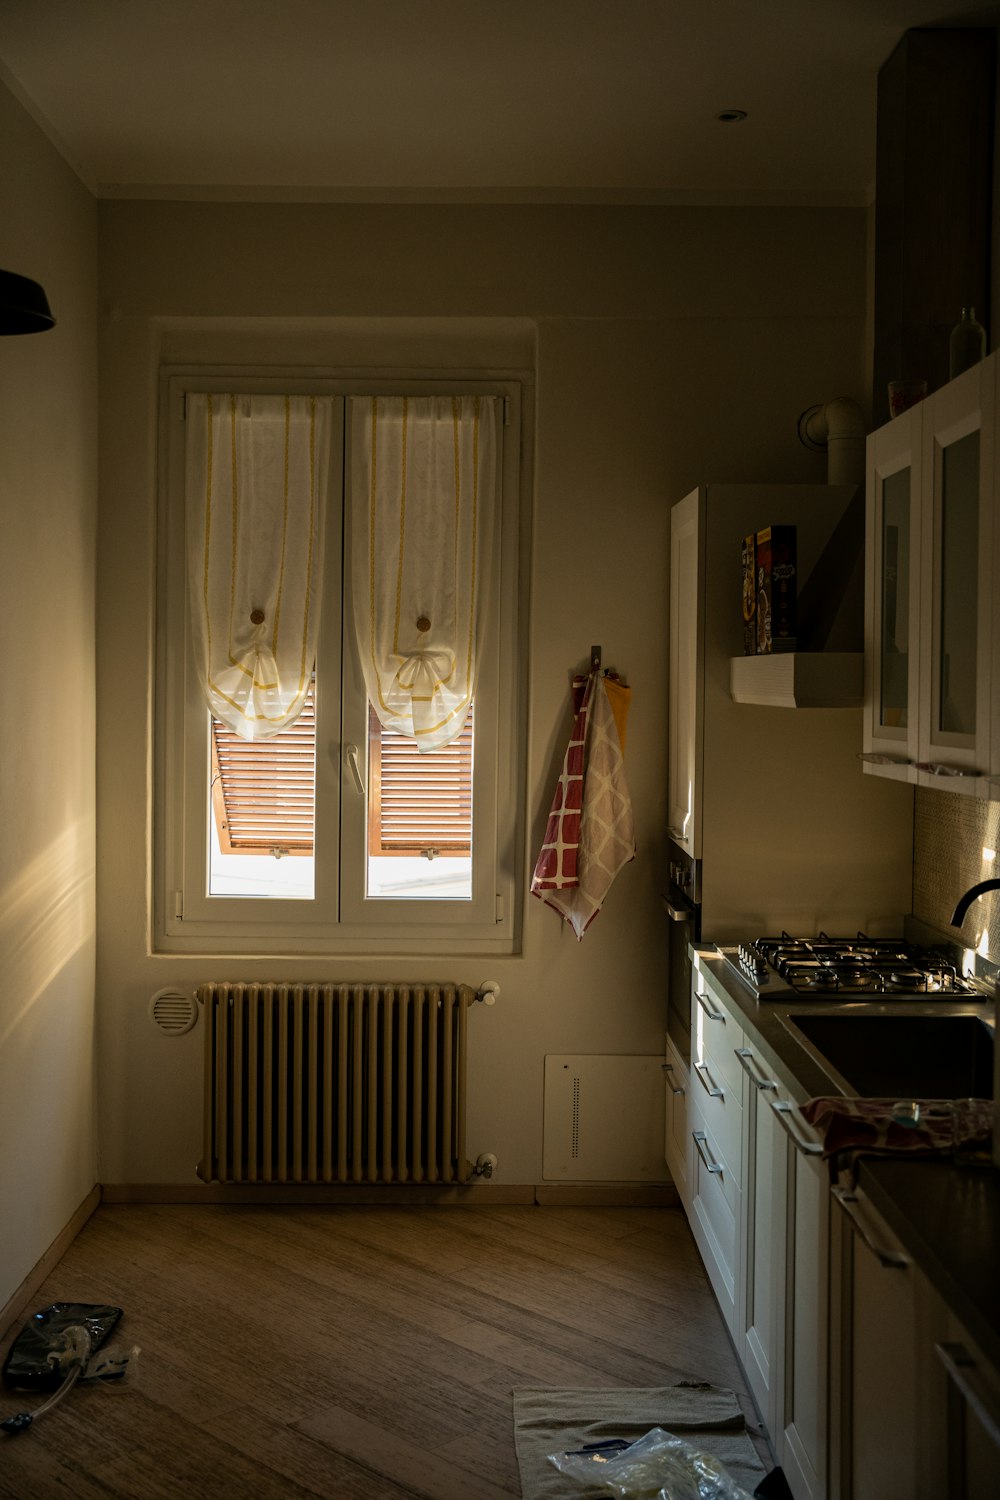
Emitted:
pixel 590 833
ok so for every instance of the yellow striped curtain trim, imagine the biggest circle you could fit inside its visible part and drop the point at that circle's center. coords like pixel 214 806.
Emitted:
pixel 456 407
pixel 305 668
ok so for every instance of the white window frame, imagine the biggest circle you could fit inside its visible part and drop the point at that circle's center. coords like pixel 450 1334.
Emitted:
pixel 340 919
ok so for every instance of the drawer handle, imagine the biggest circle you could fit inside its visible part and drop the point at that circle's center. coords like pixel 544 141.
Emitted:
pixel 756 1077
pixel 713 1015
pixel 962 1373
pixel 708 1083
pixel 701 1141
pixel 678 834
pixel 891 1260
pixel 792 1122
pixel 669 1068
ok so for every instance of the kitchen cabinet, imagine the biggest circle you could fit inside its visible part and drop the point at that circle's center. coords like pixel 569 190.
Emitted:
pixel 759 1213
pixel 715 1122
pixel 915 1410
pixel 760 1331
pixel 802 1441
pixel 867 1381
pixel 677 1143
pixel 932 634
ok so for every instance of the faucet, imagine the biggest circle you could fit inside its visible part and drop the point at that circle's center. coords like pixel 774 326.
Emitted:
pixel 958 917
pixel 972 894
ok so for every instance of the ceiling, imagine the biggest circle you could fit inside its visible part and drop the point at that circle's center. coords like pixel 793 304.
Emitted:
pixel 521 100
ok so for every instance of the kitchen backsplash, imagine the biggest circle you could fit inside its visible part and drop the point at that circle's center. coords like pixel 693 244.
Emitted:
pixel 956 842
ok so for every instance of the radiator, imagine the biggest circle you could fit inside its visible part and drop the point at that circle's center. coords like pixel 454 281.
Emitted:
pixel 329 1083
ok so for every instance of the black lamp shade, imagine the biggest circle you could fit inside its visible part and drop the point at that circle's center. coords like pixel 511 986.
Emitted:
pixel 23 305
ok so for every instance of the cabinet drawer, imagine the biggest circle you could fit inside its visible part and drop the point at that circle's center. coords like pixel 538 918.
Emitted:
pixel 720 1109
pixel 715 1036
pixel 677 1146
pixel 715 1216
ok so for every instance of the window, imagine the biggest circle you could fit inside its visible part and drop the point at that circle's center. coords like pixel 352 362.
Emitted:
pixel 336 834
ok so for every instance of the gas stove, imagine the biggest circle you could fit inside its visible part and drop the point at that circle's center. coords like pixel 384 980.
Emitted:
pixel 858 968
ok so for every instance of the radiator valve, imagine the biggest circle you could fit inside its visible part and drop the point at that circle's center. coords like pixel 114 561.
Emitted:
pixel 486 1164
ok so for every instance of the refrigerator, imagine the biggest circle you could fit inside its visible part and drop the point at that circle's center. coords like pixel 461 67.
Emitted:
pixel 772 824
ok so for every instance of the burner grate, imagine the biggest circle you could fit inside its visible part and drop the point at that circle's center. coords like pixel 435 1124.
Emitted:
pixel 862 966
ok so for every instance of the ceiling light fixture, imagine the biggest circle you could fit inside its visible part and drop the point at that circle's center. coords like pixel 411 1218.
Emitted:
pixel 24 307
pixel 731 116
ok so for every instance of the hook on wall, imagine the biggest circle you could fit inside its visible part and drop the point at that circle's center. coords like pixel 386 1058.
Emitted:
pixel 595 658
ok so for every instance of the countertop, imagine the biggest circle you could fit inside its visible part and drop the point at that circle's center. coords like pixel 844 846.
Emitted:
pixel 947 1217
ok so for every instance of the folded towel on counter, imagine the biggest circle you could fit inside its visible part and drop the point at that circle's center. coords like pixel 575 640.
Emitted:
pixel 590 833
pixel 927 1127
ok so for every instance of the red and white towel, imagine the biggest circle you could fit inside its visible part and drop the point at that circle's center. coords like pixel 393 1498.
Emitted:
pixel 590 833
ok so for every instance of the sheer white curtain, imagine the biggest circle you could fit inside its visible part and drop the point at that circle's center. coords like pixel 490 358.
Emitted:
pixel 424 509
pixel 256 494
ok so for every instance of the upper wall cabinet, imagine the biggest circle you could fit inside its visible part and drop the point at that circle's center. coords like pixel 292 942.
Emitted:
pixel 931 618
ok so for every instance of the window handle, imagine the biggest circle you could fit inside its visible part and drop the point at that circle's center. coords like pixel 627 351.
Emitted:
pixel 354 761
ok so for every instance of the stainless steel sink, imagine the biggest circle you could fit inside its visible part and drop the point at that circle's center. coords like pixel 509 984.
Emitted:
pixel 901 1055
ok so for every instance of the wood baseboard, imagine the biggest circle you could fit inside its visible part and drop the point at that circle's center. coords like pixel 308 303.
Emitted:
pixel 15 1305
pixel 302 1194
pixel 597 1195
pixel 564 1194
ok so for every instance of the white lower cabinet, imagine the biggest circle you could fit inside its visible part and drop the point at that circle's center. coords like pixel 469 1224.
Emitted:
pixel 915 1410
pixel 784 1273
pixel 868 1386
pixel 759 1214
pixel 677 1143
pixel 761 1313
pixel 715 1123
pixel 802 1441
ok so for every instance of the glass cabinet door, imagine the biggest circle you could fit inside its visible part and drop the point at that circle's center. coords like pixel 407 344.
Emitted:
pixel 894 585
pixel 892 547
pixel 957 583
pixel 957 504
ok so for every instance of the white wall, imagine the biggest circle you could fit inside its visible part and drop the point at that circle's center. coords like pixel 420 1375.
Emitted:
pixel 670 346
pixel 48 496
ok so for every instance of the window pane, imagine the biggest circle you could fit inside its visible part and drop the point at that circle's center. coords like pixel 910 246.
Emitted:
pixel 263 803
pixel 895 599
pixel 959 602
pixel 419 817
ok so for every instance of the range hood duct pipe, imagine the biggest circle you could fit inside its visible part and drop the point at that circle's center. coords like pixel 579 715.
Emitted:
pixel 838 427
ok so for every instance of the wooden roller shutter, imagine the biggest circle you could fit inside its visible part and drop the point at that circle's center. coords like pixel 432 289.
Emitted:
pixel 418 804
pixel 264 791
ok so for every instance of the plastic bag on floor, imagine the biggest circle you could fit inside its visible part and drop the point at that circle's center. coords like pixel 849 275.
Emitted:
pixel 658 1466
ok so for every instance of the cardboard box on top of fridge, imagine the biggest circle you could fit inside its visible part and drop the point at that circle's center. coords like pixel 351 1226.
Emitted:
pixel 748 569
pixel 777 590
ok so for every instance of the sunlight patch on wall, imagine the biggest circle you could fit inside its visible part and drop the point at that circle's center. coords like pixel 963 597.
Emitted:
pixel 47 914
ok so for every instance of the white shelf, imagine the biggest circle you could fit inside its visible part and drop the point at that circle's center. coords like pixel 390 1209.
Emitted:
pixel 799 679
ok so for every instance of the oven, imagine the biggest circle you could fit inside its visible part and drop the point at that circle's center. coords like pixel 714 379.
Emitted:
pixel 682 904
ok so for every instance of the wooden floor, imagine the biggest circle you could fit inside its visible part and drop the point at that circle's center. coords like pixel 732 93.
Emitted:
pixel 363 1353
